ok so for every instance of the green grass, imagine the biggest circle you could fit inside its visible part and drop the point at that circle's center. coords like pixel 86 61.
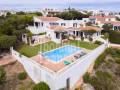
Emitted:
pixel 86 45
pixel 33 50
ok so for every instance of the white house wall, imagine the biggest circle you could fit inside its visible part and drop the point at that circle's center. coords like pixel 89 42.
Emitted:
pixel 77 70
pixel 57 80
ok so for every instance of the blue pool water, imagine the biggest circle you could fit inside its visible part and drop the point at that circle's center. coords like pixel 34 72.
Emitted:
pixel 59 53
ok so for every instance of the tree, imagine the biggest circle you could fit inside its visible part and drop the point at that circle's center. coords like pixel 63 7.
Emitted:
pixel 107 27
pixel 19 33
pixel 72 14
pixel 38 13
pixel 41 86
pixel 21 13
pixel 7 41
pixel 89 24
pixel 7 28
pixel 8 14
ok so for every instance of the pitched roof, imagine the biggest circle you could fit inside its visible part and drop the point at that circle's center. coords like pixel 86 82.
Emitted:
pixel 43 18
pixel 57 28
pixel 115 23
pixel 90 28
pixel 61 28
pixel 103 17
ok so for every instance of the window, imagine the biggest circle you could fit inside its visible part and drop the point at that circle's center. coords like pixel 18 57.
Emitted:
pixel 109 19
pixel 62 24
pixel 57 35
pixel 115 28
pixel 41 23
pixel 119 27
pixel 74 32
pixel 68 83
pixel 52 23
pixel 74 24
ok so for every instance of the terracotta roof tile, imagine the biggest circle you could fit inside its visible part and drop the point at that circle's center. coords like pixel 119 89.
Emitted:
pixel 49 18
pixel 90 28
pixel 117 23
pixel 57 28
pixel 96 17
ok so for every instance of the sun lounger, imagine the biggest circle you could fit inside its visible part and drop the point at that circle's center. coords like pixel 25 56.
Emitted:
pixel 67 62
pixel 79 55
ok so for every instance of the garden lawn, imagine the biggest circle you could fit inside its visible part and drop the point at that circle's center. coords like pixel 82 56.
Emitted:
pixel 83 44
pixel 34 50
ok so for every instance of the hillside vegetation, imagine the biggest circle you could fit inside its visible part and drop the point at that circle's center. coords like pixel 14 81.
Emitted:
pixel 106 74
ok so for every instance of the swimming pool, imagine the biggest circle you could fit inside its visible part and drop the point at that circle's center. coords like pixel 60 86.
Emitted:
pixel 60 53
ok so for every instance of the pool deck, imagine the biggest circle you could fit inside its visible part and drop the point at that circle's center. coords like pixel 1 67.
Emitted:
pixel 51 65
pixel 54 66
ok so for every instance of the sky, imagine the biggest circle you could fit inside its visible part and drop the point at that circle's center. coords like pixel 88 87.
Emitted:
pixel 54 1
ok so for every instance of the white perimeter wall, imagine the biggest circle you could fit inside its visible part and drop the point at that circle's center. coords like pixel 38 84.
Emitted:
pixel 57 80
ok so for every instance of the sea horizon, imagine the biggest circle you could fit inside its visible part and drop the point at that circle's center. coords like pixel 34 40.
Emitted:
pixel 85 6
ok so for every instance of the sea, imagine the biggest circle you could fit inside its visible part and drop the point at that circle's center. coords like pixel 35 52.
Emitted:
pixel 86 6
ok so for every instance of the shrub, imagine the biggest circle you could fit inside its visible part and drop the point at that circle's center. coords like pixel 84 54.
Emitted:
pixel 22 76
pixel 114 52
pixel 101 81
pixel 2 75
pixel 117 60
pixel 98 42
pixel 41 86
pixel 63 89
pixel 82 38
pixel 86 78
pixel 90 39
pixel 42 33
pixel 106 36
pixel 100 60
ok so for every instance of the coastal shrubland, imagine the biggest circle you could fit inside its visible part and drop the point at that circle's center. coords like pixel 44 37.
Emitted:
pixel 106 73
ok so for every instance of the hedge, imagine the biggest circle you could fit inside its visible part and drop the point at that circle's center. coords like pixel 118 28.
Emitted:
pixel 114 37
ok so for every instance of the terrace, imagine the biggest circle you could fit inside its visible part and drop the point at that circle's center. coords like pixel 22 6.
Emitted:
pixel 26 49
pixel 36 53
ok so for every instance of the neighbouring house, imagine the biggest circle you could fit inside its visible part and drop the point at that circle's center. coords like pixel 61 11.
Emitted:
pixel 116 24
pixel 58 29
pixel 101 20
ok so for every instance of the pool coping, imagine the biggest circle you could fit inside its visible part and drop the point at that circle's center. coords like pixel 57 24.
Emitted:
pixel 63 57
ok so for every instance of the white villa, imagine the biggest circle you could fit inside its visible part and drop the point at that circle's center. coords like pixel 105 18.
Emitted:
pixel 58 29
pixel 64 66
